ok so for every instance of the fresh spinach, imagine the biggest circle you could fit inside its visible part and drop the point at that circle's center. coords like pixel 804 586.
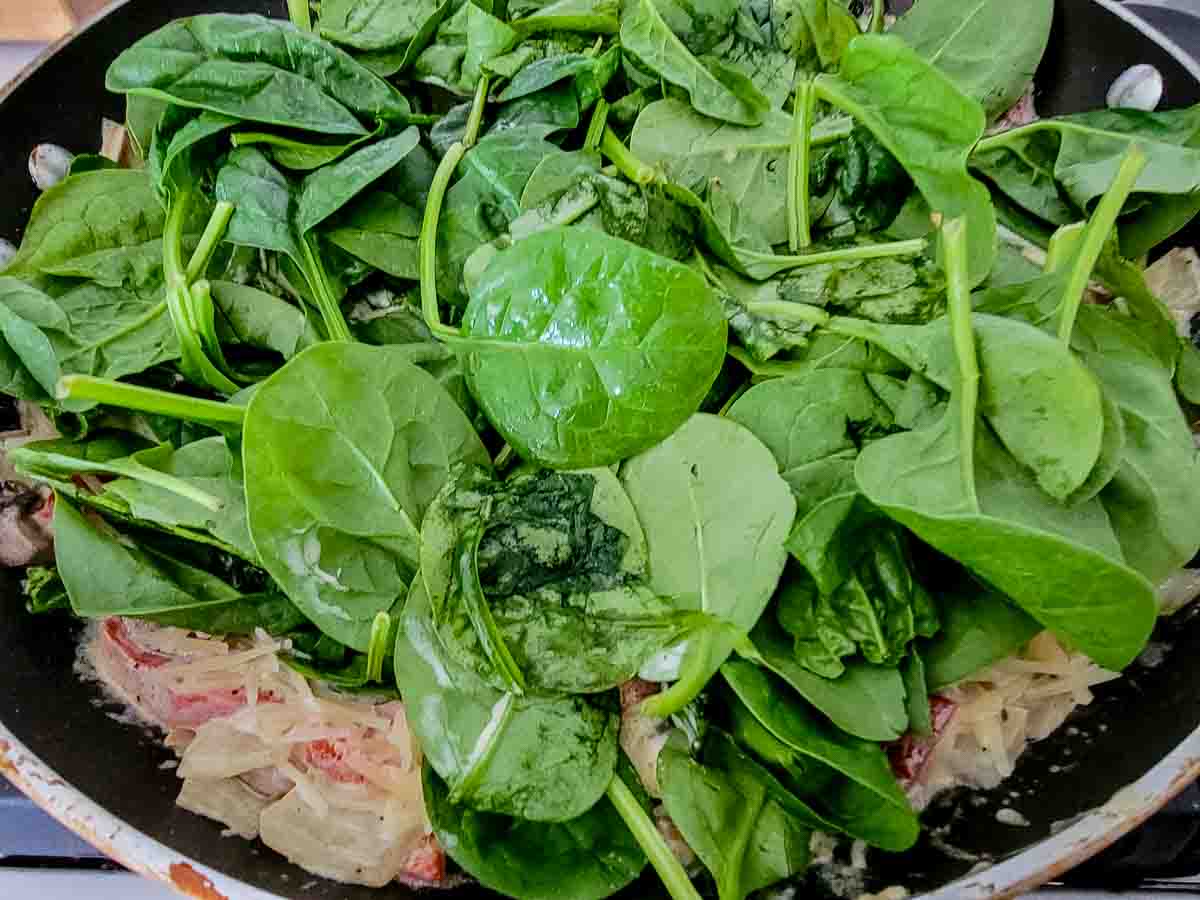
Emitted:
pixel 589 857
pixel 337 525
pixel 547 571
pixel 743 835
pixel 583 350
pixel 979 627
pixel 546 759
pixel 977 46
pixel 714 89
pixel 258 70
pixel 931 130
pixel 716 543
pixel 867 802
pixel 866 700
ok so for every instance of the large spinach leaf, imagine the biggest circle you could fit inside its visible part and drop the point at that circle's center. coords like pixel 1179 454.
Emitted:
pixel 867 802
pixel 726 814
pixel 550 567
pixel 582 349
pixel 927 123
pixel 714 89
pixel 586 858
pixel 716 542
pixel 546 759
pixel 978 46
pixel 259 70
pixel 336 524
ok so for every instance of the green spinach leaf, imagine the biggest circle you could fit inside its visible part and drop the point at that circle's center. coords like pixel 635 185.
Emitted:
pixel 979 627
pixel 582 349
pixel 716 543
pixel 336 525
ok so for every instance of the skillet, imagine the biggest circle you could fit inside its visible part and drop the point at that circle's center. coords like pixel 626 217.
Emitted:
pixel 1139 741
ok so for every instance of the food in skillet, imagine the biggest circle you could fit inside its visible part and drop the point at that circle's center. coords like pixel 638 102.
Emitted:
pixel 537 444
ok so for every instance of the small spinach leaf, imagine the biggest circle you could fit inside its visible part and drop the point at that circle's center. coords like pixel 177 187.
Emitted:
pixel 979 627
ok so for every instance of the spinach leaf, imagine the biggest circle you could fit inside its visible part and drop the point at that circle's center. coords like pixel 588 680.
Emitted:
pixel 100 210
pixel 258 70
pixel 958 490
pixel 373 24
pixel 930 129
pixel 1153 498
pixel 1060 448
pixel 197 488
pixel 716 543
pixel 483 202
pixel 545 759
pixel 587 74
pixel 381 230
pixel 877 609
pixel 869 804
pixel 586 858
pixel 979 627
pixel 586 16
pixel 257 319
pixel 744 837
pixel 107 575
pixel 866 701
pixel 977 47
pixel 336 525
pixel 1057 168
pixel 582 349
pixel 299 155
pixel 813 425
pixel 714 89
pixel 44 591
pixel 465 42
pixel 28 365
pixel 749 163
pixel 557 562
pixel 271 611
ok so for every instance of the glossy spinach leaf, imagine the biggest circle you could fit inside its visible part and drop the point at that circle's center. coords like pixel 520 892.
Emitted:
pixel 874 808
pixel 300 155
pixel 866 700
pixel 977 46
pixel 381 230
pixel 544 759
pixel 337 524
pixel 554 563
pixel 589 857
pixel 715 542
pixel 714 89
pixel 271 611
pixel 255 318
pixel 930 129
pixel 259 70
pixel 582 349
pixel 979 627
pixel 742 834
pixel 465 42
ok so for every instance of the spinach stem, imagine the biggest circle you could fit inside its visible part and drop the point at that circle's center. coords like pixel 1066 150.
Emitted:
pixel 785 309
pixel 628 164
pixel 799 229
pixel 331 311
pixel 427 241
pixel 877 11
pixel 1062 246
pixel 729 885
pixel 1099 229
pixel 177 486
pixel 377 646
pixel 597 125
pixel 213 234
pixel 300 14
pixel 762 370
pixel 958 289
pixel 910 247
pixel 480 613
pixel 475 119
pixel 644 831
pixel 694 674
pixel 150 400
